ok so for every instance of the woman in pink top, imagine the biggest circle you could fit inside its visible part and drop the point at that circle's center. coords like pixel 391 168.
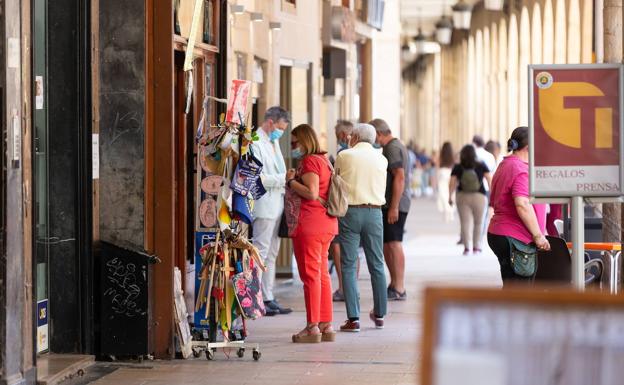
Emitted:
pixel 514 215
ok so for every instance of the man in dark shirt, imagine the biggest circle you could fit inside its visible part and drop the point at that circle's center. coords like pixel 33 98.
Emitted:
pixel 396 208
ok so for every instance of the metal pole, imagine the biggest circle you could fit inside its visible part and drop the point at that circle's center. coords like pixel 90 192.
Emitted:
pixel 599 30
pixel 578 243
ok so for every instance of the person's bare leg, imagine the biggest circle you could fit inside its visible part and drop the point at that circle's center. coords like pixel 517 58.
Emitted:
pixel 389 257
pixel 398 266
pixel 334 249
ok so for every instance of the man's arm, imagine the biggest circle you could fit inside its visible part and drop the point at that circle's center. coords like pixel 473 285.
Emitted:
pixel 398 185
pixel 268 180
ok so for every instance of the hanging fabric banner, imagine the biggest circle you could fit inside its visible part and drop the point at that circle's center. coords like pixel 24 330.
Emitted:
pixel 188 59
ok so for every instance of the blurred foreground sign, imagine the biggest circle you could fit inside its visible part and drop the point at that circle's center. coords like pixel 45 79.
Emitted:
pixel 575 119
pixel 521 336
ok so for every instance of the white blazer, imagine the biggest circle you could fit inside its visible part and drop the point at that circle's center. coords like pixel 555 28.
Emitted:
pixel 273 176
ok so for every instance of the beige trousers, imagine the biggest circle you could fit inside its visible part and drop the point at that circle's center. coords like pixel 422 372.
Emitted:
pixel 471 207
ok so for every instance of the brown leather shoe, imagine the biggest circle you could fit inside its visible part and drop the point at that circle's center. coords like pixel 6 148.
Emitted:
pixel 379 322
pixel 350 326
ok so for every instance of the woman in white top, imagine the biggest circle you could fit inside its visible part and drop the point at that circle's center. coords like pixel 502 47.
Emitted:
pixel 447 160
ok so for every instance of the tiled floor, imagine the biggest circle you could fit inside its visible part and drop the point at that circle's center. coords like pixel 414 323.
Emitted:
pixel 53 368
pixel 388 356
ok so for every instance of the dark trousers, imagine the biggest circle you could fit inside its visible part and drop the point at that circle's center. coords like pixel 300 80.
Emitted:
pixel 500 246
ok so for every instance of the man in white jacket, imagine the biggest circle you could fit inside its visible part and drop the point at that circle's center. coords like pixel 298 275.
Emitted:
pixel 268 209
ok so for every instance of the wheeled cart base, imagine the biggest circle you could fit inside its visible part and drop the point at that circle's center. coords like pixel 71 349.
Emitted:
pixel 210 348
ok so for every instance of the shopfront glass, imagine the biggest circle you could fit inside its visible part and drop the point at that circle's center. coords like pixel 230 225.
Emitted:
pixel 40 169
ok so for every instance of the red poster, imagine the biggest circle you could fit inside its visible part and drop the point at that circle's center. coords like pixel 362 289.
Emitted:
pixel 237 101
pixel 576 130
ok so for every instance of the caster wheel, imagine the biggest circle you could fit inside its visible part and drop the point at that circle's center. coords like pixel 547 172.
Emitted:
pixel 196 353
pixel 240 353
pixel 256 355
pixel 140 359
pixel 210 355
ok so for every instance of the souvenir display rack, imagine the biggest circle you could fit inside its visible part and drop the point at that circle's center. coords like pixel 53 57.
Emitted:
pixel 227 289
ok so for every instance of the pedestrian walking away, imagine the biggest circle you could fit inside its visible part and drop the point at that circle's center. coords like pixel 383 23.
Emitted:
pixel 467 184
pixel 517 225
pixel 268 209
pixel 396 208
pixel 489 160
pixel 447 161
pixel 363 168
pixel 312 230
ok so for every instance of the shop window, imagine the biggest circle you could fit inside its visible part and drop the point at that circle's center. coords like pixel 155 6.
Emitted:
pixel 289 6
pixel 209 22
pixel 176 19
pixel 241 65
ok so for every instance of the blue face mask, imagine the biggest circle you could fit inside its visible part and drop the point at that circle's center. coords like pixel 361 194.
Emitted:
pixel 296 153
pixel 276 134
pixel 377 145
pixel 343 145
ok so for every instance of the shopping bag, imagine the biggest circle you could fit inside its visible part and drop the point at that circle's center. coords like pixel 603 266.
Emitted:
pixel 292 207
pixel 248 293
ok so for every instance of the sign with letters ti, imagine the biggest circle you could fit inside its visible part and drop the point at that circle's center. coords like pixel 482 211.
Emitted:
pixel 575 130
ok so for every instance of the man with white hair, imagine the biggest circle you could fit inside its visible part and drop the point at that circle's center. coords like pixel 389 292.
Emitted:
pixel 364 169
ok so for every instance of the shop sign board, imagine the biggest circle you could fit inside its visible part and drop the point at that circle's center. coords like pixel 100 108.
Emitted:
pixel 42 326
pixel 576 124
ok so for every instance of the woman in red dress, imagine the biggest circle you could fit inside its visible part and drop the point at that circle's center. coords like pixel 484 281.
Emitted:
pixel 313 232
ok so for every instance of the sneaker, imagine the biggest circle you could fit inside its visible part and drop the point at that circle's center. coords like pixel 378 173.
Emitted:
pixel 277 307
pixel 350 326
pixel 378 321
pixel 338 296
pixel 394 295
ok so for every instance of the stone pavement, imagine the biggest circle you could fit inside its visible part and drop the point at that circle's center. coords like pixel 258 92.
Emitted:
pixel 388 356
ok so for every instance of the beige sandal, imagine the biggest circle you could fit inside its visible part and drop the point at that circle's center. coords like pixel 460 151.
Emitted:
pixel 310 335
pixel 327 331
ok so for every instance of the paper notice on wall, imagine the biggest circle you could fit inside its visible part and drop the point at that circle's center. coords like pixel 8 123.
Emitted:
pixel 13 53
pixel 95 155
pixel 39 92
pixel 16 139
pixel 238 101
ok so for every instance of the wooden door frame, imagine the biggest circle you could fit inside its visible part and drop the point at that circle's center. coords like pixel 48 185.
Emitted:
pixel 160 173
pixel 160 161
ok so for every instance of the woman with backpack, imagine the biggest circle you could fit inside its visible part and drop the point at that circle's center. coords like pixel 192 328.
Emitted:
pixel 467 179
pixel 312 230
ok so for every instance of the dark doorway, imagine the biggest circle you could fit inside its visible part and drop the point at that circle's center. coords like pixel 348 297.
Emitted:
pixel 62 181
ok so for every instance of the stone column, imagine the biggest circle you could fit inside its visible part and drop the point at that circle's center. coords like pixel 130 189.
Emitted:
pixel 612 13
pixel 16 321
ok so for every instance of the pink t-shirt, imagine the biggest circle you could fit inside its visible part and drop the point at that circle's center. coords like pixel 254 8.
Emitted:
pixel 512 180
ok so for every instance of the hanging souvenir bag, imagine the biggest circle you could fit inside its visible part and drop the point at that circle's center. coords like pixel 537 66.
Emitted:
pixel 247 176
pixel 247 289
